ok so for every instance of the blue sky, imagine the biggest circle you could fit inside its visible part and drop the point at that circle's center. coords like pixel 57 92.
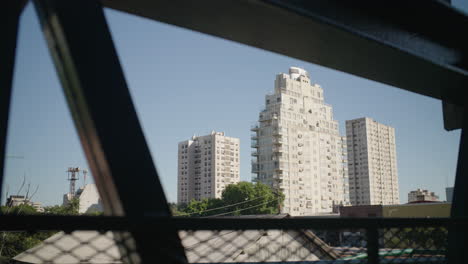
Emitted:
pixel 185 83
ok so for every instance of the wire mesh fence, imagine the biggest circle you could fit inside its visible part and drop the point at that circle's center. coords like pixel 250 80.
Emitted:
pixel 395 245
pixel 74 247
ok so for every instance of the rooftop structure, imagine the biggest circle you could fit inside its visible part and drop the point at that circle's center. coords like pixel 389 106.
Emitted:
pixel 421 195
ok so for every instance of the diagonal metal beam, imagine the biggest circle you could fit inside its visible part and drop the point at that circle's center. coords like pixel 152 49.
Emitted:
pixel 98 97
pixel 418 45
pixel 9 20
pixel 459 236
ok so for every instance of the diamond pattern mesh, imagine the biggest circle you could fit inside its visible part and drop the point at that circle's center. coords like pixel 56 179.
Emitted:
pixel 396 245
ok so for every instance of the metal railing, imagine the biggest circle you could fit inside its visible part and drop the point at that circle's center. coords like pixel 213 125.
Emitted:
pixel 275 239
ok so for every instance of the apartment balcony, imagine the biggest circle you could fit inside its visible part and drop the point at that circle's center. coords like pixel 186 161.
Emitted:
pixel 254 137
pixel 254 153
pixel 277 156
pixel 255 128
pixel 278 141
pixel 276 149
pixel 255 167
pixel 265 118
pixel 254 145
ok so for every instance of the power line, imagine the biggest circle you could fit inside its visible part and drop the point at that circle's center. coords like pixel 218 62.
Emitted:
pixel 242 209
pixel 14 157
pixel 212 209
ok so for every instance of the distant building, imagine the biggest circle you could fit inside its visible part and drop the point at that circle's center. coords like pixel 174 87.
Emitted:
pixel 372 162
pixel 15 200
pixel 88 197
pixel 449 194
pixel 37 206
pixel 421 195
pixel 298 147
pixel 206 165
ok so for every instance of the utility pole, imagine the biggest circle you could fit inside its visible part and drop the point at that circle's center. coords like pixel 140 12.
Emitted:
pixel 277 193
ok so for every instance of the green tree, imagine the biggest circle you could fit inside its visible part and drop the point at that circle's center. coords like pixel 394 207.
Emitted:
pixel 202 208
pixel 71 208
pixel 23 209
pixel 252 198
pixel 13 243
pixel 177 209
pixel 243 198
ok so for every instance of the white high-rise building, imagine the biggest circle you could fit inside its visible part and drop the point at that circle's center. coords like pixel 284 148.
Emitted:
pixel 299 150
pixel 206 165
pixel 372 163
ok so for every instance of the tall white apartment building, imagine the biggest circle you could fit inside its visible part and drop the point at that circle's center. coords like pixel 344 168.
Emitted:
pixel 206 165
pixel 299 150
pixel 372 163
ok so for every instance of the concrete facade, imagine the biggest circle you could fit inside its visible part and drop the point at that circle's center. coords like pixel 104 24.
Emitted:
pixel 421 195
pixel 372 163
pixel 88 196
pixel 206 165
pixel 298 149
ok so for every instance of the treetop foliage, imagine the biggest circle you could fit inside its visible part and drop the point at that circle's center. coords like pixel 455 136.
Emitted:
pixel 243 198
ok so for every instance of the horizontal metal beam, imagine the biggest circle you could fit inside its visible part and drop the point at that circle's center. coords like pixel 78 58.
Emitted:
pixel 419 46
pixel 70 223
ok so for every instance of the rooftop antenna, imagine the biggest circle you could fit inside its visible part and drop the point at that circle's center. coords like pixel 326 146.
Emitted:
pixel 85 172
pixel 72 174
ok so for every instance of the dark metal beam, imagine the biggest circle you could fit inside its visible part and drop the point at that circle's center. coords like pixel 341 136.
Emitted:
pixel 9 19
pixel 97 94
pixel 453 116
pixel 45 222
pixel 419 46
pixel 459 236
pixel 372 234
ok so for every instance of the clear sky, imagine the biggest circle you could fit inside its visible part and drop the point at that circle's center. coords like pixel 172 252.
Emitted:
pixel 185 83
